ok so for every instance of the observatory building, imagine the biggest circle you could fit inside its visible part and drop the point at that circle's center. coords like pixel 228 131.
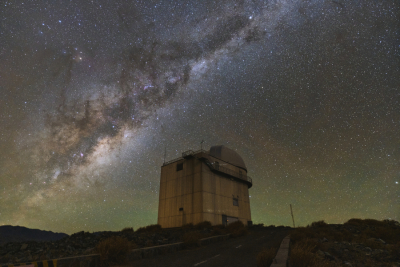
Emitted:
pixel 204 186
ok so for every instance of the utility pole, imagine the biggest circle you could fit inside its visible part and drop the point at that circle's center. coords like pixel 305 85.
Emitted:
pixel 291 212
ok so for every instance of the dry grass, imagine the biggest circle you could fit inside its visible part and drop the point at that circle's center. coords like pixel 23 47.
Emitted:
pixel 127 230
pixel 114 249
pixel 153 228
pixel 265 257
pixel 203 225
pixel 320 232
pixel 302 255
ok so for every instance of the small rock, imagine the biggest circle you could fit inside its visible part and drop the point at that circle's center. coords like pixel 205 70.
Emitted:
pixel 24 246
pixel 346 263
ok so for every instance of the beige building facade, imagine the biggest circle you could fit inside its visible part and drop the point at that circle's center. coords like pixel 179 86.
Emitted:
pixel 204 186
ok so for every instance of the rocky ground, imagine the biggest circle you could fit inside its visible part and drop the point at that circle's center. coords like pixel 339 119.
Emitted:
pixel 80 243
pixel 357 243
pixel 84 243
pixel 350 253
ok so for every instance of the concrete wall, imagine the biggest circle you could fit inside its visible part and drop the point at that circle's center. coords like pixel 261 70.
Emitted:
pixel 204 195
pixel 218 193
pixel 180 189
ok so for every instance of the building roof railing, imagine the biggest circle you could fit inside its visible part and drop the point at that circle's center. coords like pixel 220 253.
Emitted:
pixel 184 155
pixel 214 166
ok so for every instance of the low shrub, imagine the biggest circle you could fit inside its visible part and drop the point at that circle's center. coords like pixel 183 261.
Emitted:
pixel 373 222
pixel 217 232
pixel 114 249
pixel 127 230
pixel 149 243
pixel 191 239
pixel 301 233
pixel 187 226
pixel 219 226
pixel 319 224
pixel 219 229
pixel 239 232
pixel 153 228
pixel 354 221
pixel 202 225
pixel 235 225
pixel 236 229
pixel 265 257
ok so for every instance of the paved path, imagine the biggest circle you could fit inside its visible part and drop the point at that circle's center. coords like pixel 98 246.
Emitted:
pixel 235 252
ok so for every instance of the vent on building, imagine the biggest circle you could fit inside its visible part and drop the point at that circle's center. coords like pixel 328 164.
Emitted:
pixel 179 166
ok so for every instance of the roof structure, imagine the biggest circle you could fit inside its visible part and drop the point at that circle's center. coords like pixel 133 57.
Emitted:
pixel 228 155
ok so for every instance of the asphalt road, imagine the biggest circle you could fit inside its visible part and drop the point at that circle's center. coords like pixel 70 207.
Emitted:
pixel 235 252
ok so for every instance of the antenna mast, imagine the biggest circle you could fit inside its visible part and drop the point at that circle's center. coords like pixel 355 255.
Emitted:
pixel 291 212
pixel 165 153
pixel 201 144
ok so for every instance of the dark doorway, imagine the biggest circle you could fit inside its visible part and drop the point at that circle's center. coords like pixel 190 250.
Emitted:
pixel 224 220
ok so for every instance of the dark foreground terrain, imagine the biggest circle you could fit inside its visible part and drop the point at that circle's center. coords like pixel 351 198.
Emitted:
pixel 356 243
pixel 9 233
pixel 235 252
pixel 84 243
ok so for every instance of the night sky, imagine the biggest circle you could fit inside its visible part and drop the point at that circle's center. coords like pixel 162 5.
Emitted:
pixel 93 92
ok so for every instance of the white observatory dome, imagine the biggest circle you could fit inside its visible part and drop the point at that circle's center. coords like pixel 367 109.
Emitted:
pixel 227 155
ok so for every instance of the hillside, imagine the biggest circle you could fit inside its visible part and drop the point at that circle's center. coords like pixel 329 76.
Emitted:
pixel 9 233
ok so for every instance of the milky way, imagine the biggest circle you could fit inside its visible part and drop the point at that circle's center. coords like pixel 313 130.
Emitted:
pixel 93 94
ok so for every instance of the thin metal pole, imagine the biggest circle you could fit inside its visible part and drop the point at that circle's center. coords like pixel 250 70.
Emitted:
pixel 165 153
pixel 291 212
pixel 201 144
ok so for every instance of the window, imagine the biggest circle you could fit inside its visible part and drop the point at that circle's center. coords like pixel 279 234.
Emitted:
pixel 179 167
pixel 235 202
